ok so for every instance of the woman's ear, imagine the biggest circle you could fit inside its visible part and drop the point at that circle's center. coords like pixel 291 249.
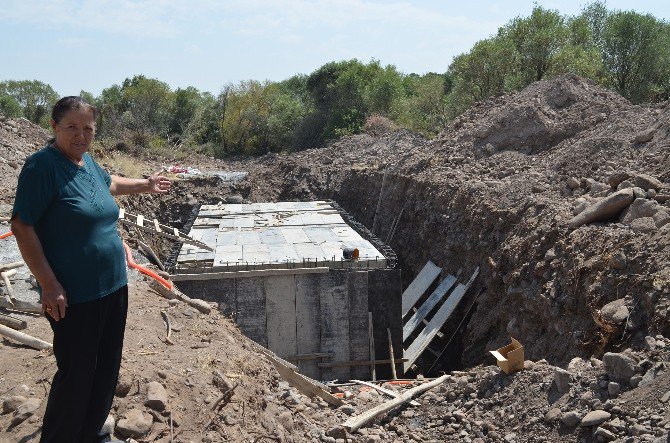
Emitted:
pixel 53 125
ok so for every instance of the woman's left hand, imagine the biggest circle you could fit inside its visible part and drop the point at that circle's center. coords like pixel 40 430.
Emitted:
pixel 158 184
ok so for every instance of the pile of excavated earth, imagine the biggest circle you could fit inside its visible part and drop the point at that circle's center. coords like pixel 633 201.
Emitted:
pixel 559 194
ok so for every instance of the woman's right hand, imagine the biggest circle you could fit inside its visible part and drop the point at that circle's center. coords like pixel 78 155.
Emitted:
pixel 54 301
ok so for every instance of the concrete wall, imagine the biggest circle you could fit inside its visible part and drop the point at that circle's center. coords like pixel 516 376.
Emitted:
pixel 314 313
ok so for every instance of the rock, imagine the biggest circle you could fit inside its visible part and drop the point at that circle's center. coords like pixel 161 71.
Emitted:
pixel 26 410
pixel 624 185
pixel 604 209
pixel 570 418
pixel 604 434
pixel 647 182
pixel 639 192
pixel 108 427
pixel 347 409
pixel 12 403
pixel 156 396
pixel 595 187
pixel 123 385
pixel 613 389
pixel 645 136
pixel 337 432
pixel 641 207
pixel 666 397
pixel 615 312
pixel 573 183
pixel 562 378
pixel 648 377
pixel 619 367
pixel 594 418
pixel 635 380
pixel 617 178
pixel 661 218
pixel 552 415
pixel 237 199
pixel 483 132
pixel 136 423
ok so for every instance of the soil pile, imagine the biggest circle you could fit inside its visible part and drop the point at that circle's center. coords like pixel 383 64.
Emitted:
pixel 524 186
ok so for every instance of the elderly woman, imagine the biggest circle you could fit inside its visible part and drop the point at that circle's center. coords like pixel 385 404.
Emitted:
pixel 64 220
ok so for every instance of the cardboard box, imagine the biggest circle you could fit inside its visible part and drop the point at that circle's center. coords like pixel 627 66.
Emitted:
pixel 510 358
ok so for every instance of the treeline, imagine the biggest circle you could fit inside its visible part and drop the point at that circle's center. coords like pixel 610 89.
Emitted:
pixel 623 50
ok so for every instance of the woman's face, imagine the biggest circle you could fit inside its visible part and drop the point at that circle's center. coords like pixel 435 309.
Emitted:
pixel 74 133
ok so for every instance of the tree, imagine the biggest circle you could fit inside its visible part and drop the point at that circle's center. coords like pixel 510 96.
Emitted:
pixel 34 97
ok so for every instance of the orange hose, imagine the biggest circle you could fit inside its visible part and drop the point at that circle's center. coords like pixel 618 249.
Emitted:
pixel 6 234
pixel 143 270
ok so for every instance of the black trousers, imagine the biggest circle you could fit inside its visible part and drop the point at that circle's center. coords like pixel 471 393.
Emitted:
pixel 87 346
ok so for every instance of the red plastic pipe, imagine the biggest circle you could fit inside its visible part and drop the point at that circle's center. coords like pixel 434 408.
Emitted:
pixel 6 234
pixel 143 270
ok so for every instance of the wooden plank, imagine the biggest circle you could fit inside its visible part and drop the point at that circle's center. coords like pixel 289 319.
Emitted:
pixel 428 333
pixel 358 321
pixel 416 289
pixel 244 274
pixel 280 295
pixel 251 315
pixel 122 214
pixel 334 319
pixel 314 356
pixel 428 306
pixel 157 226
pixel 175 232
pixel 308 329
pixel 140 220
pixel 388 392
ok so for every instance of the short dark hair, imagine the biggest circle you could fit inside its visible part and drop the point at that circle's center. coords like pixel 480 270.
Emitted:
pixel 69 103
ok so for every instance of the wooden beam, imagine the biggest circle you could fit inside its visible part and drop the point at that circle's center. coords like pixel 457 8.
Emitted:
pixel 359 363
pixel 12 322
pixel 24 338
pixel 419 285
pixel 315 356
pixel 243 274
pixel 21 306
pixel 354 423
pixel 388 392
pixel 427 306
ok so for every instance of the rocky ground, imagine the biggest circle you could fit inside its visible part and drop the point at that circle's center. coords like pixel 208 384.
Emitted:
pixel 559 193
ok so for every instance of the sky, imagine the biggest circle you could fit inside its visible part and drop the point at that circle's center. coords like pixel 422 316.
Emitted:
pixel 90 45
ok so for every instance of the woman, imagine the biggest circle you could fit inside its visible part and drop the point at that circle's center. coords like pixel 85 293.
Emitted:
pixel 64 220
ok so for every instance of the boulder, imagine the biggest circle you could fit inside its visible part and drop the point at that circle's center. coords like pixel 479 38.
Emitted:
pixel 644 224
pixel 26 410
pixel 645 136
pixel 619 367
pixel 570 418
pixel 647 182
pixel 661 218
pixel 12 403
pixel 108 427
pixel 605 209
pixel 615 312
pixel 136 423
pixel 573 183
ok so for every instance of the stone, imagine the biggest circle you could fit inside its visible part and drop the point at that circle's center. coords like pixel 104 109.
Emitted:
pixel 552 415
pixel 615 312
pixel 570 418
pixel 573 183
pixel 661 218
pixel 626 184
pixel 594 418
pixel 604 434
pixel 562 378
pixel 26 410
pixel 617 178
pixel 647 182
pixel 236 199
pixel 641 207
pixel 639 192
pixel 648 377
pixel 108 427
pixel 136 423
pixel 613 389
pixel 644 224
pixel 605 209
pixel 645 136
pixel 666 397
pixel 483 132
pixel 347 409
pixel 619 260
pixel 156 396
pixel 595 187
pixel 619 367
pixel 12 403
pixel 123 385
pixel 635 380
pixel 337 432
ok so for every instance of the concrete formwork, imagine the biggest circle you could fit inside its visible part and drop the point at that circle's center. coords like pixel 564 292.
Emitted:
pixel 298 296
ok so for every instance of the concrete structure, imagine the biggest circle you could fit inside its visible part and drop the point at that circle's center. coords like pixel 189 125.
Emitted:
pixel 278 269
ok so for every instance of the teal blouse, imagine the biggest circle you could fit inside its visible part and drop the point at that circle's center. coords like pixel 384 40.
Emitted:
pixel 74 216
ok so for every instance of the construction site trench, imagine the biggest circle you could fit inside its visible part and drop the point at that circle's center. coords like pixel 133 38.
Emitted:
pixel 501 190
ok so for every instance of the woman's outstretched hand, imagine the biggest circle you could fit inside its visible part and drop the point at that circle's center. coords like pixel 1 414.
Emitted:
pixel 54 301
pixel 158 184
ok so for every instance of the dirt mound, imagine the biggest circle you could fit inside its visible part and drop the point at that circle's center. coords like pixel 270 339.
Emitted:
pixel 496 190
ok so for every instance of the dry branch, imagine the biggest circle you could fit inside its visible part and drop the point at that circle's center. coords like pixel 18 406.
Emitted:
pixel 22 306
pixel 169 327
pixel 358 421
pixel 24 338
pixel 13 265
pixel 173 293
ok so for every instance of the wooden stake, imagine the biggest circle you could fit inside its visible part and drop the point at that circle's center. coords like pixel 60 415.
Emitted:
pixel 354 423
pixel 200 305
pixel 169 327
pixel 392 358
pixel 388 392
pixel 371 337
pixel 24 338
pixel 8 284
pixel 13 265
pixel 22 306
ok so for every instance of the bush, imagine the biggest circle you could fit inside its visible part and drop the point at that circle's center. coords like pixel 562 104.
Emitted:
pixel 378 125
